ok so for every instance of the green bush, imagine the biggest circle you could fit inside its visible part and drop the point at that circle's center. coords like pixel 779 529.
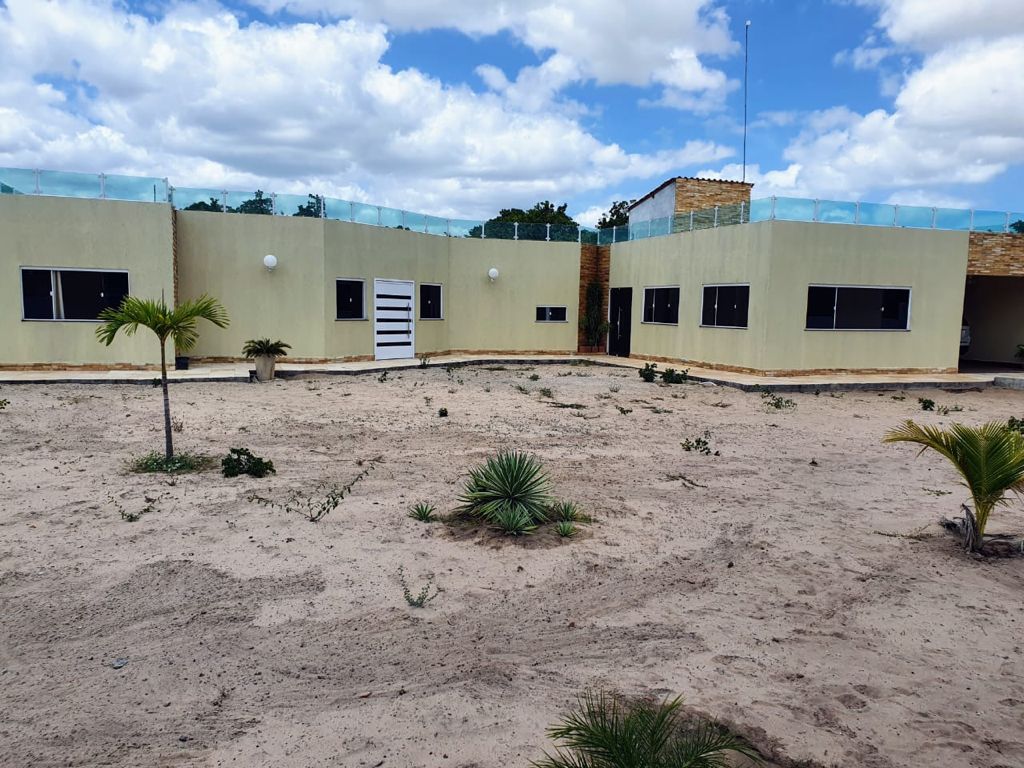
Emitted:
pixel 649 372
pixel 442 413
pixel 566 529
pixel 927 404
pixel 423 512
pixel 671 376
pixel 1015 425
pixel 509 491
pixel 241 461
pixel 180 462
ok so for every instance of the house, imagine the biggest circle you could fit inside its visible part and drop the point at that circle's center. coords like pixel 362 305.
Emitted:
pixel 702 275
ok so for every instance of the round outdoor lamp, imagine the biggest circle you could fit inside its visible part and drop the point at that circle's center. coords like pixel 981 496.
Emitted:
pixel 270 261
pixel 492 274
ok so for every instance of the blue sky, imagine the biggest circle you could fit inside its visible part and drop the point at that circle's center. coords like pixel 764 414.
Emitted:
pixel 461 107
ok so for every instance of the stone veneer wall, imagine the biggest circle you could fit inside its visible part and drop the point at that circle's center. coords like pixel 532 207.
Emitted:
pixel 701 194
pixel 595 264
pixel 995 254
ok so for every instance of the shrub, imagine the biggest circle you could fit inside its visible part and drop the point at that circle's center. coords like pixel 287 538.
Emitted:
pixel 533 377
pixel 383 377
pixel 566 529
pixel 424 595
pixel 509 491
pixel 424 361
pixel 241 461
pixel 4 404
pixel 568 512
pixel 927 404
pixel 607 731
pixel 648 372
pixel 179 462
pixel 264 348
pixel 776 402
pixel 1015 425
pixel 442 413
pixel 545 392
pixel 671 376
pixel 701 444
pixel 314 508
pixel 423 512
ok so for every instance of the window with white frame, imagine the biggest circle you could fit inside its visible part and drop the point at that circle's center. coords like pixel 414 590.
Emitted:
pixel 725 306
pixel 661 305
pixel 70 294
pixel 858 308
pixel 552 315
pixel 431 306
pixel 349 297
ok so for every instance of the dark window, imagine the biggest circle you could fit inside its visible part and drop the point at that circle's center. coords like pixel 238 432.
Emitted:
pixel 858 309
pixel 84 295
pixel 36 292
pixel 350 300
pixel 430 302
pixel 80 294
pixel 661 305
pixel 725 306
pixel 551 314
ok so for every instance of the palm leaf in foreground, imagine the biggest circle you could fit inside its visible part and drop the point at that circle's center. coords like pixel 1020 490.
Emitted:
pixel 989 458
pixel 607 731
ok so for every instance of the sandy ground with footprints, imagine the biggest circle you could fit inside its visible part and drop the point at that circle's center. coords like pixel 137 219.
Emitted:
pixel 757 582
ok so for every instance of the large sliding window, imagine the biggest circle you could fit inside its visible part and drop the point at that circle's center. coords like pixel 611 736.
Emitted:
pixel 70 294
pixel 661 305
pixel 349 299
pixel 858 308
pixel 725 306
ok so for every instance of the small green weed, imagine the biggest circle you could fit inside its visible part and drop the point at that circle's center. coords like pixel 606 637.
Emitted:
pixel 927 404
pixel 624 411
pixel 424 361
pixel 424 596
pixel 533 377
pixel 777 402
pixel 241 461
pixel 566 529
pixel 522 389
pixel 383 377
pixel 574 406
pixel 180 462
pixel 701 444
pixel 4 404
pixel 544 392
pixel 936 492
pixel 423 512
pixel 614 387
pixel 315 507
pixel 649 372
pixel 442 413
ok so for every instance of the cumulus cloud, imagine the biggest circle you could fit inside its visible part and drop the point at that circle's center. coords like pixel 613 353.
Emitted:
pixel 209 100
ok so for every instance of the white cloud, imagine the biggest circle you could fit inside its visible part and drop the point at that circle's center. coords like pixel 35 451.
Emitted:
pixel 209 101
pixel 930 25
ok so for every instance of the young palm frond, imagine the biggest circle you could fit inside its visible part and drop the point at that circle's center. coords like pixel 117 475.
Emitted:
pixel 510 491
pixel 178 324
pixel 989 458
pixel 606 731
pixel 264 347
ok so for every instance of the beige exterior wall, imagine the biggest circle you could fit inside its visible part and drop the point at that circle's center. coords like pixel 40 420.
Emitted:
pixel 994 307
pixel 222 255
pixel 84 234
pixel 780 260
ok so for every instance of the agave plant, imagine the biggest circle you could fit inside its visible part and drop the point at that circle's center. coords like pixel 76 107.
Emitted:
pixel 254 348
pixel 989 458
pixel 607 731
pixel 509 491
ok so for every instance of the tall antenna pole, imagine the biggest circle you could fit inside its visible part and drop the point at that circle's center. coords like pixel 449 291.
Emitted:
pixel 746 67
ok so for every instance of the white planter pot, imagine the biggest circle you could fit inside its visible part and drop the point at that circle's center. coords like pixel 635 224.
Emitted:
pixel 265 367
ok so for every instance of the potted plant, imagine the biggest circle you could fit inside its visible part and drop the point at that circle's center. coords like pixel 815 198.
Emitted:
pixel 265 353
pixel 593 325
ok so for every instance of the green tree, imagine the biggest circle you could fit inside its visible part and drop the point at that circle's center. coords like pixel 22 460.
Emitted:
pixel 617 215
pixel 314 208
pixel 178 324
pixel 258 204
pixel 989 458
pixel 1017 227
pixel 201 205
pixel 563 226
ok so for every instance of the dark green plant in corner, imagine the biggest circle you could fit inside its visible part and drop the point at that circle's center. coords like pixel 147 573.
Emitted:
pixel 241 461
pixel 989 458
pixel 649 372
pixel 178 324
pixel 927 404
pixel 607 731
pixel 592 321
pixel 672 376
pixel 509 491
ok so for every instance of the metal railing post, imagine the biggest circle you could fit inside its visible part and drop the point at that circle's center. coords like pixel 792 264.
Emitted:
pixel 378 216
pixel 579 234
pixel 615 234
pixel 935 216
pixel 448 227
pixel 403 219
pixel 483 230
pixel 716 216
pixel 352 211
pixel 817 210
pixel 167 191
pixel 323 206
pixel 515 230
pixel 35 175
pixel 773 208
pixel 856 212
pixel 1006 224
pixel 895 215
pixel 742 206
pixel 223 201
pixel 426 224
pixel 970 225
pixel 547 236
pixel 691 221
pixel 273 203
pixel 103 186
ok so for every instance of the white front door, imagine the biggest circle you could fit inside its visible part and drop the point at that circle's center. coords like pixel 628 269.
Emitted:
pixel 394 330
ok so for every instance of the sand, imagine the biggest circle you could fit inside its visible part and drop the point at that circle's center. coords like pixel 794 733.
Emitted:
pixel 756 583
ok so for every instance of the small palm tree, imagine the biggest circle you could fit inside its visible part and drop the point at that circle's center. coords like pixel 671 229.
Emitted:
pixel 990 458
pixel 178 324
pixel 264 348
pixel 606 731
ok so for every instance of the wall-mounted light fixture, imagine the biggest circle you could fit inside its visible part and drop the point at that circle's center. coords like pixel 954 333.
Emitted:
pixel 270 262
pixel 492 274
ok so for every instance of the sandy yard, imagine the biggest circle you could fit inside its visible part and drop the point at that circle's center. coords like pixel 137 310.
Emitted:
pixel 755 582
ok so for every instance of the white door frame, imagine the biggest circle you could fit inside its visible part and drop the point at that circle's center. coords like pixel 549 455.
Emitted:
pixel 394 319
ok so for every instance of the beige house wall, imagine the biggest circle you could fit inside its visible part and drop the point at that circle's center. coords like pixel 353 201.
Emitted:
pixel 994 308
pixel 84 234
pixel 780 260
